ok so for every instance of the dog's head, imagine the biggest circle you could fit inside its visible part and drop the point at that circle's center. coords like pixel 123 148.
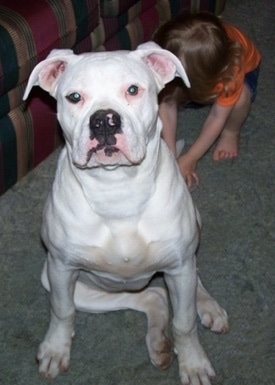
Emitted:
pixel 107 101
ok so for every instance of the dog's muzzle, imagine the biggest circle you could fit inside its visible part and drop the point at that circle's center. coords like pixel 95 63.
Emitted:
pixel 104 125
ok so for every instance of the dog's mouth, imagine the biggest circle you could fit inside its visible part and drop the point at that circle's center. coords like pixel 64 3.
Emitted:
pixel 108 150
pixel 101 154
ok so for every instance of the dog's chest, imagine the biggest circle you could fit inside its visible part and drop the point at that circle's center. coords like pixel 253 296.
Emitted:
pixel 125 251
pixel 125 239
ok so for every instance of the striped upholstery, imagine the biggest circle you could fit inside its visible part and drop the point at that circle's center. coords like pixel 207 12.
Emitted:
pixel 128 29
pixel 27 136
pixel 214 6
pixel 29 30
pixel 114 8
pixel 124 27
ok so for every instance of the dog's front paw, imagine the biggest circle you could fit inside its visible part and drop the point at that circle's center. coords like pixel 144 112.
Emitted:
pixel 195 375
pixel 194 367
pixel 53 358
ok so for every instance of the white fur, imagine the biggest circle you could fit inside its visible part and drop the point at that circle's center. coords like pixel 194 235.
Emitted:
pixel 111 222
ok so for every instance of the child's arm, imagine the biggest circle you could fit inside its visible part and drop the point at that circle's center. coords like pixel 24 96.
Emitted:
pixel 168 112
pixel 211 130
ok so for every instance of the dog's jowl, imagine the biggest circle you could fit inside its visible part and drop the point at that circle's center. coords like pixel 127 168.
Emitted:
pixel 119 210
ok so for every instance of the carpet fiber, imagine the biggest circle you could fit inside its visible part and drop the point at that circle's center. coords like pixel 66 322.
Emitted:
pixel 236 257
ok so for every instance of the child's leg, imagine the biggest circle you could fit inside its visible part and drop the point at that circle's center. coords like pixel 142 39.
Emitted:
pixel 228 143
pixel 168 112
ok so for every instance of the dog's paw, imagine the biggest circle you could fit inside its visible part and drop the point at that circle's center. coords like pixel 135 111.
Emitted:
pixel 160 349
pixel 213 316
pixel 53 359
pixel 194 365
pixel 194 376
pixel 158 344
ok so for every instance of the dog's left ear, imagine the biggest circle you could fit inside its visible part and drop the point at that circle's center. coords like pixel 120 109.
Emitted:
pixel 165 65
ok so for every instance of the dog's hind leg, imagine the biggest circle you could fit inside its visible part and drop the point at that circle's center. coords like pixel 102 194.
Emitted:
pixel 151 301
pixel 158 344
pixel 212 315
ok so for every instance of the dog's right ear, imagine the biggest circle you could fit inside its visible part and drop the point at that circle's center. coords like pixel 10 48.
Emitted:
pixel 47 73
pixel 163 63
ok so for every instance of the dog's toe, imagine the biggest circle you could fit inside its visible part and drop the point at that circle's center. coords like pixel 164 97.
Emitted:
pixel 215 319
pixel 160 351
pixel 162 359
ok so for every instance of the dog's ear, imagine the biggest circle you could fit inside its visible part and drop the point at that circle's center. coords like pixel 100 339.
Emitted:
pixel 165 65
pixel 48 71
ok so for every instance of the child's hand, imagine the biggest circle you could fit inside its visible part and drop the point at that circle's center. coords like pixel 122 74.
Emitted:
pixel 188 170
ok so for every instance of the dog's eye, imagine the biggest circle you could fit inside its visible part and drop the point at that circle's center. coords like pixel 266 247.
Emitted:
pixel 74 97
pixel 132 90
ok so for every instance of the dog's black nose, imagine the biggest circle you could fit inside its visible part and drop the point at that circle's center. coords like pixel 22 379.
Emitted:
pixel 104 124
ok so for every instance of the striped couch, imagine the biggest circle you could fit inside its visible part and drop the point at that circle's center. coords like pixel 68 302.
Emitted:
pixel 29 30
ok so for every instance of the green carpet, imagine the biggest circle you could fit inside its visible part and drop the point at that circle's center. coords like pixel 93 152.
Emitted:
pixel 236 257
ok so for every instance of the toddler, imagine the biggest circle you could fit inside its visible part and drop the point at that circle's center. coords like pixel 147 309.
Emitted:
pixel 222 65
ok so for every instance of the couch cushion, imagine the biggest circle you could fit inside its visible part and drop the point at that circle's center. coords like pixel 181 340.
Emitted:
pixel 214 6
pixel 128 29
pixel 138 22
pixel 26 139
pixel 116 23
pixel 112 8
pixel 29 30
pixel 139 29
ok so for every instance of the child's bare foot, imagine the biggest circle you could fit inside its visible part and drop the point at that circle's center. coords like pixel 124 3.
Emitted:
pixel 227 146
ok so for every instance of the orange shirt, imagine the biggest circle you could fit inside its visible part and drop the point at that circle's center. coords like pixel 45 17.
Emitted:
pixel 250 60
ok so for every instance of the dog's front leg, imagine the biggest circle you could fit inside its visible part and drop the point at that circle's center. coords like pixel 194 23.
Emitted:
pixel 54 352
pixel 194 366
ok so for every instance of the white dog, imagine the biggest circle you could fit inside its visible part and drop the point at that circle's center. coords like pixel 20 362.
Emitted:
pixel 119 210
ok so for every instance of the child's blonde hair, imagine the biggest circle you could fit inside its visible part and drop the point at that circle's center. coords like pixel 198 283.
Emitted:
pixel 208 55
